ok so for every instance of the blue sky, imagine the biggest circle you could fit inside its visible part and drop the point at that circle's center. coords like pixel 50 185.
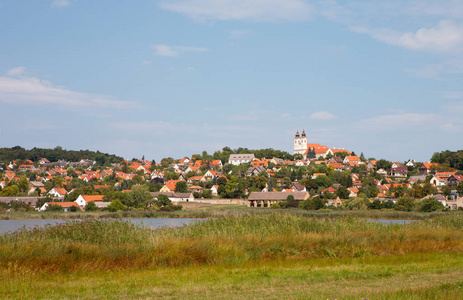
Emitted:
pixel 173 78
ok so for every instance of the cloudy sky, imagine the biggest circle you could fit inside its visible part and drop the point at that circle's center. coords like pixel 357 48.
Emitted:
pixel 172 78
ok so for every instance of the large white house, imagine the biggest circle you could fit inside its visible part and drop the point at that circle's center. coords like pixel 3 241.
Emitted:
pixel 237 159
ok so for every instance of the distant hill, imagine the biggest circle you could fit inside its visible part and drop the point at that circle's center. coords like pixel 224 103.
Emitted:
pixel 53 155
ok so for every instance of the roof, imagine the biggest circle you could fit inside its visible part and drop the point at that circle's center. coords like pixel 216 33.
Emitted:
pixel 64 204
pixel 91 198
pixel 278 195
pixel 60 191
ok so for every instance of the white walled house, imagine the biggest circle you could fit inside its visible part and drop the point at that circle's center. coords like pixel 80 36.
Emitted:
pixel 237 159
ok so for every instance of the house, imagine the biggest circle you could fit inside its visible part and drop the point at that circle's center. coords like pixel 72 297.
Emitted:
pixel 315 175
pixel 353 192
pixel 82 200
pixel 441 178
pixel 58 192
pixel 335 202
pixel 196 189
pixel 33 185
pixel 175 197
pixel 65 205
pixel 428 168
pixel 43 161
pixel 399 171
pixel 352 158
pixel 328 190
pixel 382 172
pixel 237 159
pixel 266 199
pixel 254 171
pixel 169 186
pixel 209 175
pixel 454 180
pixel 215 190
pixel 334 151
pixel 298 188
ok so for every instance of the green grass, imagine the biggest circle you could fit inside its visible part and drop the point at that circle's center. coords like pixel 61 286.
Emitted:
pixel 272 255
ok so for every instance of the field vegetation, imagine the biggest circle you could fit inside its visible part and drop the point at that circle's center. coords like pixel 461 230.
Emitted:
pixel 271 255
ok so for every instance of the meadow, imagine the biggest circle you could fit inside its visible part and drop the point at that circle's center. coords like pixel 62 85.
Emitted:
pixel 271 255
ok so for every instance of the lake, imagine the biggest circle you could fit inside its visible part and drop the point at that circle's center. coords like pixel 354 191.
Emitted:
pixel 13 225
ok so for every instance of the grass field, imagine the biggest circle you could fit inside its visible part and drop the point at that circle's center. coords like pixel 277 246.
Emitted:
pixel 268 256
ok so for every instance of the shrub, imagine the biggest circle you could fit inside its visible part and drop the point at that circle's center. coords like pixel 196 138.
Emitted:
pixel 91 206
pixel 430 204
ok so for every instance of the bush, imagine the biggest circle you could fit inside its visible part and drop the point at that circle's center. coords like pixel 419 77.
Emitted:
pixel 430 204
pixel 54 207
pixel 275 206
pixel 163 200
pixel 116 205
pixel 313 204
pixel 405 204
pixel 171 207
pixel 289 202
pixel 91 206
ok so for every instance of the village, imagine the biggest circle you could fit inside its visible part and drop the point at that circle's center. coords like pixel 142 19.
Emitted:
pixel 314 177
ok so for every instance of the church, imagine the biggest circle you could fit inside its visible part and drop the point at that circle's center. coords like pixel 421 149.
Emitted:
pixel 312 151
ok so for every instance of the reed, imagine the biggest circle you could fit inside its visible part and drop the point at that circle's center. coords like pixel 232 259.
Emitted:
pixel 117 244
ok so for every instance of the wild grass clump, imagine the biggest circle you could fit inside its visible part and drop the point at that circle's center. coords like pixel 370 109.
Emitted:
pixel 116 244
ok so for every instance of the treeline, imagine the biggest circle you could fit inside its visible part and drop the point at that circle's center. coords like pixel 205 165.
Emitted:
pixel 53 155
pixel 224 154
pixel 454 159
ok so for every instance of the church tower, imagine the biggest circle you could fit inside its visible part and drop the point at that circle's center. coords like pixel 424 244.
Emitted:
pixel 300 143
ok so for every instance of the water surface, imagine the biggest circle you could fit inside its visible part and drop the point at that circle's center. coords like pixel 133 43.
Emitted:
pixel 13 225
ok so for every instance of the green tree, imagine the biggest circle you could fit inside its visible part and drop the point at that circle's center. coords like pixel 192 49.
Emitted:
pixel 163 200
pixel 23 184
pixel 343 192
pixel 140 197
pixel 313 204
pixel 430 204
pixel 405 204
pixel 54 207
pixel 116 205
pixel 460 188
pixel 181 187
pixel 91 206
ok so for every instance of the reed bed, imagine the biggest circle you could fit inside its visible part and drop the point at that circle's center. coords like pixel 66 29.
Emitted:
pixel 117 244
pixel 224 210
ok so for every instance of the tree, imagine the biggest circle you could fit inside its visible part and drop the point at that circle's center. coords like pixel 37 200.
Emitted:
pixel 289 202
pixel 23 184
pixel 460 188
pixel 181 187
pixel 163 200
pixel 405 204
pixel 447 191
pixel 430 204
pixel 54 207
pixel 116 205
pixel 313 204
pixel 140 197
pixel 91 206
pixel 343 192
pixel 375 204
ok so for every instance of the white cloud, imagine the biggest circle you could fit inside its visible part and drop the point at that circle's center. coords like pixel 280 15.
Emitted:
pixel 173 51
pixel 34 91
pixel 322 115
pixel 15 72
pixel 252 10
pixel 446 36
pixel 60 3
pixel 405 122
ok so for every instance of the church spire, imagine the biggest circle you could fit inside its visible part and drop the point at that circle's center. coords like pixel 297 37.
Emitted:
pixel 303 133
pixel 297 133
